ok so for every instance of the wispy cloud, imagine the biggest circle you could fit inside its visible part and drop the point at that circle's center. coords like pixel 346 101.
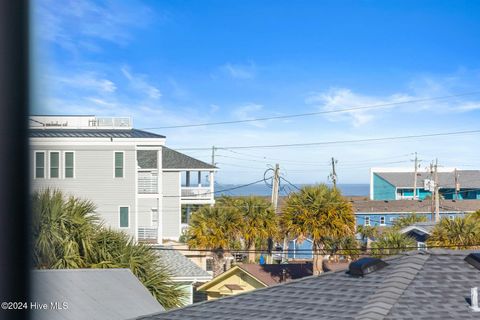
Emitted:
pixel 87 81
pixel 139 82
pixel 249 111
pixel 239 71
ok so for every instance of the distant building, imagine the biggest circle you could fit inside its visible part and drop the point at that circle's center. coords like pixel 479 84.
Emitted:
pixel 247 277
pixel 385 212
pixel 398 184
pixel 72 294
pixel 138 184
pixel 419 231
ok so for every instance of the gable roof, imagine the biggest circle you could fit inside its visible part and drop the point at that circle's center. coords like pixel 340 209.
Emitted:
pixel 172 159
pixel 91 294
pixel 416 285
pixel 92 133
pixel 180 266
pixel 271 274
pixel 466 178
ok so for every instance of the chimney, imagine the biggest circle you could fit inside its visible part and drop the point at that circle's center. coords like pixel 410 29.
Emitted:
pixel 474 299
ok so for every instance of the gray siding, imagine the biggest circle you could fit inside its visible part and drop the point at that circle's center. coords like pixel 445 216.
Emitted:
pixel 94 179
pixel 171 204
pixel 145 206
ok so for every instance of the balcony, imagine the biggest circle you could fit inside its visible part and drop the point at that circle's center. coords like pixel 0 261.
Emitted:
pixel 147 234
pixel 197 194
pixel 147 182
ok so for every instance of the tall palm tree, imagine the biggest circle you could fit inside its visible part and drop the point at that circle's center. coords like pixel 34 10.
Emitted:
pixel 321 213
pixel 68 234
pixel 214 228
pixel 459 233
pixel 408 220
pixel 392 242
pixel 259 222
pixel 368 233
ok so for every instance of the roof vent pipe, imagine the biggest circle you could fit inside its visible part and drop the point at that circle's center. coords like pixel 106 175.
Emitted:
pixel 474 299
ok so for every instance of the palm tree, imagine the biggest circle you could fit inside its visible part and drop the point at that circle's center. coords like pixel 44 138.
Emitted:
pixel 259 222
pixel 318 212
pixel 368 233
pixel 214 228
pixel 459 233
pixel 392 242
pixel 68 234
pixel 408 221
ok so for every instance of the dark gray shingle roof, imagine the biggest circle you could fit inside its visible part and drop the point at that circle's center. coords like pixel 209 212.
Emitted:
pixel 92 294
pixel 178 264
pixel 466 178
pixel 418 285
pixel 172 159
pixel 92 133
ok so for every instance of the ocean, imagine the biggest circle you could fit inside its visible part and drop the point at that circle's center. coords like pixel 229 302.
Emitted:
pixel 261 189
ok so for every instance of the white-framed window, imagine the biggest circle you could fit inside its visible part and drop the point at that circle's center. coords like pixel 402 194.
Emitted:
pixel 118 164
pixel 124 217
pixel 451 217
pixel 54 164
pixel 39 164
pixel 209 264
pixel 154 213
pixel 421 246
pixel 69 164
pixel 382 220
pixel 367 221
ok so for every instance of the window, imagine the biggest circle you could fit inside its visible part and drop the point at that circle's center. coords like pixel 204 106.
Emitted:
pixel 421 246
pixel 54 164
pixel 382 221
pixel 392 219
pixel 39 164
pixel 154 213
pixel 124 217
pixel 118 164
pixel 69 165
pixel 209 265
pixel 451 217
pixel 367 221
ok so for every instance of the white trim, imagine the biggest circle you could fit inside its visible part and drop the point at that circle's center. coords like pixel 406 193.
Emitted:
pixel 64 175
pixel 191 169
pixel 119 220
pixel 152 214
pixel 384 222
pixel 135 185
pixel 123 164
pixel 59 164
pixel 180 204
pixel 410 228
pixel 35 164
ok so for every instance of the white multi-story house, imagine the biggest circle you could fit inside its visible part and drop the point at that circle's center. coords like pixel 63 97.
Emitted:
pixel 137 184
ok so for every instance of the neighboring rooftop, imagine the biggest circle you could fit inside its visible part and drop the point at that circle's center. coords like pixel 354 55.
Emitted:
pixel 271 274
pixel 91 294
pixel 466 178
pixel 417 285
pixel 418 206
pixel 92 133
pixel 180 266
pixel 172 159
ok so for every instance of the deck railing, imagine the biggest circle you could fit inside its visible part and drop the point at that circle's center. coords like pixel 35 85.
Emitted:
pixel 147 234
pixel 196 193
pixel 147 182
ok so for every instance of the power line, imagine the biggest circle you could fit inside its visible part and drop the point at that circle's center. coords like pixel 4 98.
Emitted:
pixel 384 105
pixel 308 144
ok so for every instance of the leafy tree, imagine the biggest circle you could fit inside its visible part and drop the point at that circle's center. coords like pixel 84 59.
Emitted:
pixel 392 242
pixel 368 233
pixel 215 228
pixel 321 213
pixel 459 233
pixel 67 234
pixel 408 220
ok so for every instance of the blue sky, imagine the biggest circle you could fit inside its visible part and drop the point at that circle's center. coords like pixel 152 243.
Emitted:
pixel 179 62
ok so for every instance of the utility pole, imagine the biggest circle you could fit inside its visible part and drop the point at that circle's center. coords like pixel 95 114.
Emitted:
pixel 333 175
pixel 432 189
pixel 437 194
pixel 415 178
pixel 213 155
pixel 275 190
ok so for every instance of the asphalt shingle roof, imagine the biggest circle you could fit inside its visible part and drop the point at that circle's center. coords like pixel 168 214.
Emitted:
pixel 91 294
pixel 172 159
pixel 366 206
pixel 418 285
pixel 466 178
pixel 92 133
pixel 178 265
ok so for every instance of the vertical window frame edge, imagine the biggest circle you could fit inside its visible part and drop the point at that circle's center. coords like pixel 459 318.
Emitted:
pixel 119 217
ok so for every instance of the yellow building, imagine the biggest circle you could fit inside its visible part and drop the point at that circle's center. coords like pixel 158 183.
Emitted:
pixel 246 277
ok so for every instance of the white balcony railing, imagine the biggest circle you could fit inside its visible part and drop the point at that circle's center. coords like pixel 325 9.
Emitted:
pixel 196 193
pixel 147 234
pixel 147 182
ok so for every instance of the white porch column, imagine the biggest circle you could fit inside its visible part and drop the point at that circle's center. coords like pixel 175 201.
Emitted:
pixel 159 198
pixel 212 183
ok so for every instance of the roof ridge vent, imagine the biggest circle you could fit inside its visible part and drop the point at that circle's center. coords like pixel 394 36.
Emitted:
pixel 366 265
pixel 474 260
